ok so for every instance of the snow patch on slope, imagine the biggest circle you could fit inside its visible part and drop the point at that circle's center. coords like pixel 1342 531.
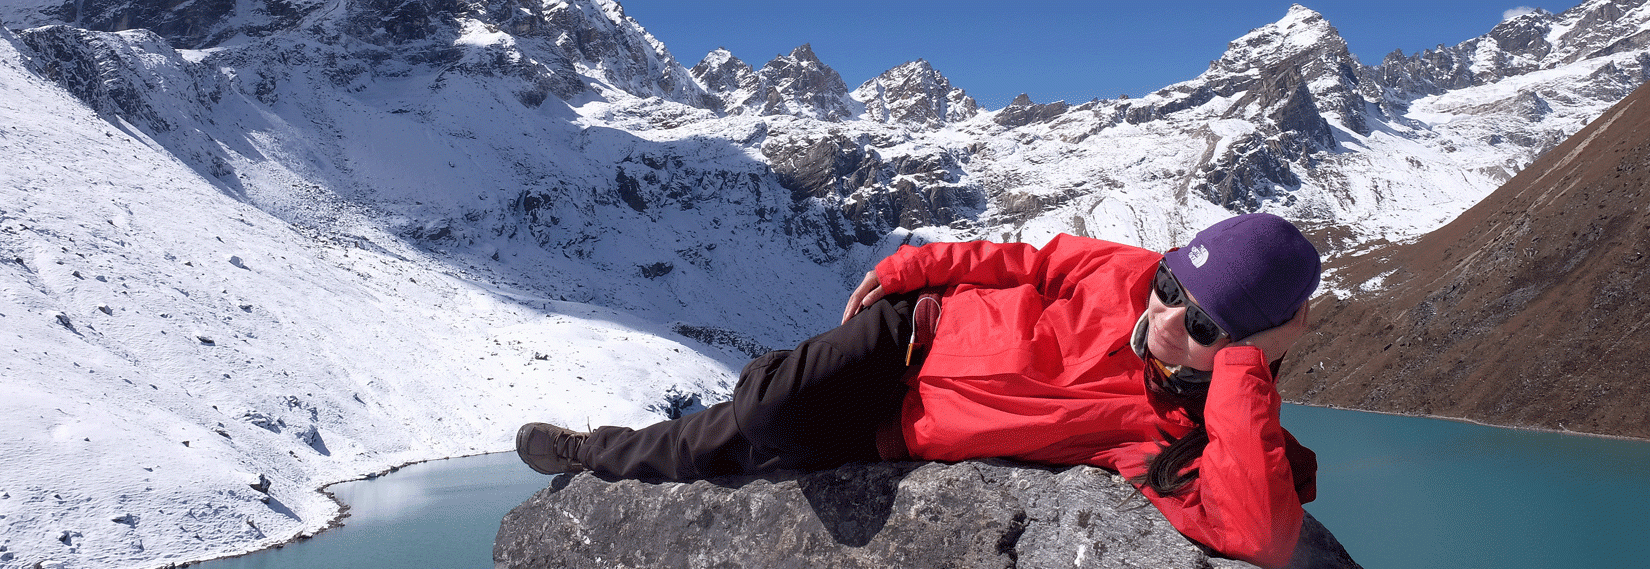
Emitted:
pixel 172 346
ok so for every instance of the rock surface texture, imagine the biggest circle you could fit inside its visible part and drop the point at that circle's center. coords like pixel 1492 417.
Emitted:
pixel 971 514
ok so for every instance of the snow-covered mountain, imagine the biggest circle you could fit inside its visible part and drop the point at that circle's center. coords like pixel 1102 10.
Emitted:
pixel 248 248
pixel 1287 120
pixel 915 94
pixel 798 85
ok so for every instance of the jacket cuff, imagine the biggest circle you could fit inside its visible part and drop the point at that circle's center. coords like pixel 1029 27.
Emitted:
pixel 1241 356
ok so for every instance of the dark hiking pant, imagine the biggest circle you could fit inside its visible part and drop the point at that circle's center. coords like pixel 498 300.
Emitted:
pixel 814 407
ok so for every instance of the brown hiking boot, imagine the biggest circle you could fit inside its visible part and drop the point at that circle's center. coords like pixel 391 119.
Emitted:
pixel 549 449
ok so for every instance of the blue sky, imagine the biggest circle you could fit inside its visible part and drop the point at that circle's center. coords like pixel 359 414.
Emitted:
pixel 1051 50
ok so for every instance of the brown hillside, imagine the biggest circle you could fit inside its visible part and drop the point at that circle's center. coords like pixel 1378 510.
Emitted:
pixel 1529 310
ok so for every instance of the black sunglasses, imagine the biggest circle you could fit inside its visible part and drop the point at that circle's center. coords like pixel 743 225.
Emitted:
pixel 1199 325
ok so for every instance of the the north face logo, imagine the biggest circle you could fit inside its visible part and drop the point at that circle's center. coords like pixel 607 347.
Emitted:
pixel 1199 255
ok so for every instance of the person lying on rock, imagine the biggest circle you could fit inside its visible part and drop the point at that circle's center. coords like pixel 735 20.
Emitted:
pixel 1158 366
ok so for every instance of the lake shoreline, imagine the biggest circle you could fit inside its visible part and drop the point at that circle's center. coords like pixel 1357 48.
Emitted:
pixel 336 521
pixel 1477 422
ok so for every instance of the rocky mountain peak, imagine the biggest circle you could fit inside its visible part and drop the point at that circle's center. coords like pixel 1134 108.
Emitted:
pixel 1295 80
pixel 805 53
pixel 724 76
pixel 800 84
pixel 1266 71
pixel 915 93
pixel 720 71
pixel 605 43
pixel 1525 35
pixel 1302 36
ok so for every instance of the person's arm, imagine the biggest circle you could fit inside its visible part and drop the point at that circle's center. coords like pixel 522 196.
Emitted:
pixel 1054 269
pixel 943 264
pixel 981 263
pixel 1245 492
pixel 1246 501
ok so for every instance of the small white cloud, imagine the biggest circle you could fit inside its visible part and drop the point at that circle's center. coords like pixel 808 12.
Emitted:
pixel 1516 12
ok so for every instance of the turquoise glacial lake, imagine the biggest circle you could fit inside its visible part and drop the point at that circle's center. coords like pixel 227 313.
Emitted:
pixel 441 514
pixel 1399 492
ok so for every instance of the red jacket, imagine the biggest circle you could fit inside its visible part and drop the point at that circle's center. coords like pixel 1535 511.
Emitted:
pixel 1032 362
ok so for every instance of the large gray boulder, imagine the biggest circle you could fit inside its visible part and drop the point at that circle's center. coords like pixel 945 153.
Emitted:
pixel 970 514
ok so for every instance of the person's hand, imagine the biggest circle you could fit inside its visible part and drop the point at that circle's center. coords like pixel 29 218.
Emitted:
pixel 1273 342
pixel 869 291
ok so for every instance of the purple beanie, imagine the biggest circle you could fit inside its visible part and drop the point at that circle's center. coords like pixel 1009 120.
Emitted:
pixel 1250 272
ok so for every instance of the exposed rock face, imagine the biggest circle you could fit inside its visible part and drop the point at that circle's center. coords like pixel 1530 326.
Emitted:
pixel 134 76
pixel 1523 311
pixel 1022 111
pixel 198 24
pixel 93 67
pixel 972 514
pixel 868 195
pixel 585 35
